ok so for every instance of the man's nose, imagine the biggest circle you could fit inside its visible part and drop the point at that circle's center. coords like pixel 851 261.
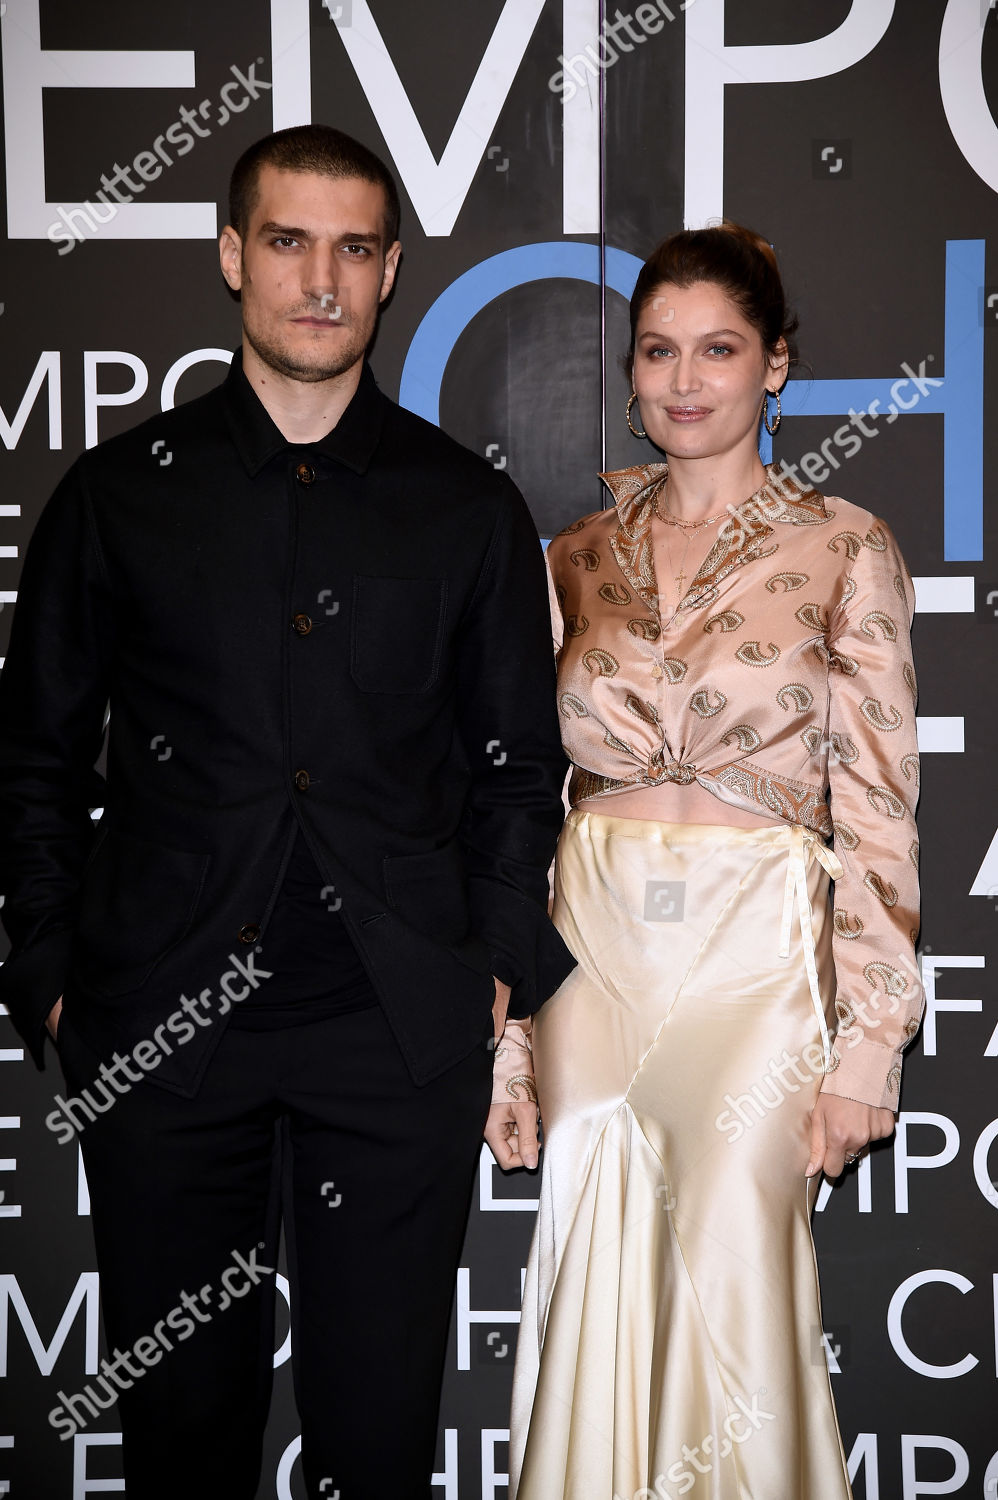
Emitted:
pixel 321 278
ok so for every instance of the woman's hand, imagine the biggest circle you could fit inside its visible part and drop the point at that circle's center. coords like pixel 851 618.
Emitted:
pixel 511 1134
pixel 841 1127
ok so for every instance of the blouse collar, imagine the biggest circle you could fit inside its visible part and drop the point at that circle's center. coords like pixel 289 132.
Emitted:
pixel 742 537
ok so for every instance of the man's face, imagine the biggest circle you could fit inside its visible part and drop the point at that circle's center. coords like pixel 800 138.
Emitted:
pixel 312 270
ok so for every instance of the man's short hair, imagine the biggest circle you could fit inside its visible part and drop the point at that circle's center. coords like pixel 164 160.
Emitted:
pixel 309 148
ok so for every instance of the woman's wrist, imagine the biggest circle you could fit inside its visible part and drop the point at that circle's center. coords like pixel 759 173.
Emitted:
pixel 513 1065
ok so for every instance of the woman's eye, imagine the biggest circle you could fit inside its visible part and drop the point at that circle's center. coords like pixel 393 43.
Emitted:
pixel 719 349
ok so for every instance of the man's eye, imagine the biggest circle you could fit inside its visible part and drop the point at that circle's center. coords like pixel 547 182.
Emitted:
pixel 357 250
pixel 285 239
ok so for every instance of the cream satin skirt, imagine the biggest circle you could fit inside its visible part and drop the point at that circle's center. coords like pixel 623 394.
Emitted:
pixel 670 1340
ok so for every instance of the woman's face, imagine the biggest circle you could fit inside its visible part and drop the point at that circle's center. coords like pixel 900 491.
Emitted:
pixel 700 371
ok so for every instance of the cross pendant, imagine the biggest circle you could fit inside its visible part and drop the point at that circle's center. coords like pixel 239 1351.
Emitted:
pixel 680 579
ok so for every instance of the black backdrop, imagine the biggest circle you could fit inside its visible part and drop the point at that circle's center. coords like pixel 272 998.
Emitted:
pixel 861 139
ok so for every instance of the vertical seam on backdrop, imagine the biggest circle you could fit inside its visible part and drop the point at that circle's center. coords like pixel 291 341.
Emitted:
pixel 601 97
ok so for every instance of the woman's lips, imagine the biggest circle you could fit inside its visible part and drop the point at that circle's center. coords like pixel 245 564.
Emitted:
pixel 687 413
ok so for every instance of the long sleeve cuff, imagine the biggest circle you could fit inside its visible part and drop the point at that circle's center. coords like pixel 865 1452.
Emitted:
pixel 528 951
pixel 870 1073
pixel 30 984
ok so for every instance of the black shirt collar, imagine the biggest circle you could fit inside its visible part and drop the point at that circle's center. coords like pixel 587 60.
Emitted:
pixel 258 438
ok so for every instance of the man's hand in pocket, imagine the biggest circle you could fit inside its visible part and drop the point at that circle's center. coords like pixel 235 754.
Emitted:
pixel 52 1019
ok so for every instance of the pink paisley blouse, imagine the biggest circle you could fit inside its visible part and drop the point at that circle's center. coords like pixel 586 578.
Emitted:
pixel 783 682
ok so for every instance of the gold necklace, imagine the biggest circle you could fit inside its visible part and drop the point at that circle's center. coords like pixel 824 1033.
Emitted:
pixel 680 577
pixel 670 520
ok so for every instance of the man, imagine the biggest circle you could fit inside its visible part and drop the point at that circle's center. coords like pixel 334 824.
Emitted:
pixel 332 795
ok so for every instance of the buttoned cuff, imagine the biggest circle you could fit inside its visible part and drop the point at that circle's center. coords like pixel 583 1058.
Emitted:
pixel 31 982
pixel 869 1073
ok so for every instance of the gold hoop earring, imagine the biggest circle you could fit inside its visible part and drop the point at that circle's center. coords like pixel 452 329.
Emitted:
pixel 765 412
pixel 630 402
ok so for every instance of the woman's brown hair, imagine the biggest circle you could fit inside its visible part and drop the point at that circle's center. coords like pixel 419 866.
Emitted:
pixel 736 259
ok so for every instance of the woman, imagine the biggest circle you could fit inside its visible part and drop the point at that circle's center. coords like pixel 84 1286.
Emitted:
pixel 736 687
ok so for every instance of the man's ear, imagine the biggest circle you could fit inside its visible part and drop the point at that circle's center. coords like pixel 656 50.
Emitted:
pixel 391 267
pixel 230 257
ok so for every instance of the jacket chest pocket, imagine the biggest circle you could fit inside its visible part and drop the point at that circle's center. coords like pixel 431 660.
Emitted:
pixel 397 633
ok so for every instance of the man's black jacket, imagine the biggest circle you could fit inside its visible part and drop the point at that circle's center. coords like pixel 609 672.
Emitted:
pixel 351 636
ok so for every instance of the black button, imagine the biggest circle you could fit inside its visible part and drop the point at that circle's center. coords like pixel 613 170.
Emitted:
pixel 302 624
pixel 305 474
pixel 302 780
pixel 249 933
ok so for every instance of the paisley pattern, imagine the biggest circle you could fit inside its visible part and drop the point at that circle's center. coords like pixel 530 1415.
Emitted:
pixel 893 981
pixel 848 665
pixel 794 801
pixel 614 594
pixel 571 703
pixel 728 619
pixel 844 1014
pixel 812 617
pixel 747 738
pixel 786 581
pixel 846 925
pixel 812 739
pixel 883 800
pixel 851 543
pixel 754 655
pixel 910 768
pixel 881 888
pixel 707 703
pixel 800 697
pixel 879 619
pixel 646 711
pixel 886 720
pixel 843 748
pixel 598 660
pixel 848 773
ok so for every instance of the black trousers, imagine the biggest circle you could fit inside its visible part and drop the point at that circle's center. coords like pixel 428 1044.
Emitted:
pixel 186 1208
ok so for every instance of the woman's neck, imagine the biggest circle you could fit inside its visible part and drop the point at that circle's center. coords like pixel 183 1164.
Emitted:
pixel 701 487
